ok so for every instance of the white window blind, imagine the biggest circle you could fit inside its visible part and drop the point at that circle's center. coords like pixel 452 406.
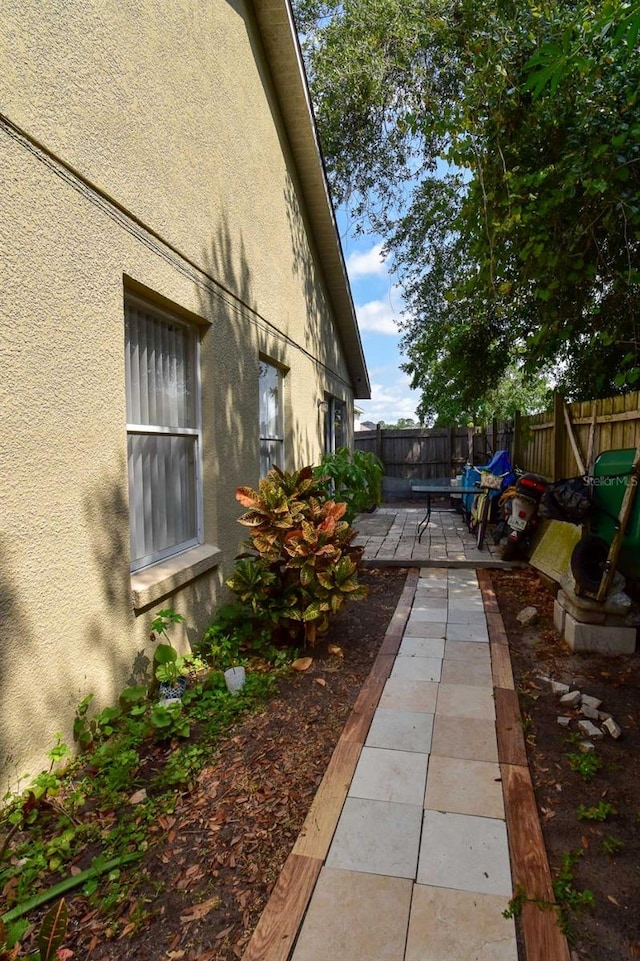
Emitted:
pixel 163 428
pixel 271 418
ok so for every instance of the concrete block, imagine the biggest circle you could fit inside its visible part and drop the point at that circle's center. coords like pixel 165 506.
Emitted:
pixel 558 616
pixel 557 687
pixel 598 637
pixel 528 616
pixel 590 730
pixel 589 701
pixel 585 614
pixel 563 721
pixel 612 728
pixel 586 747
pixel 587 711
pixel 572 699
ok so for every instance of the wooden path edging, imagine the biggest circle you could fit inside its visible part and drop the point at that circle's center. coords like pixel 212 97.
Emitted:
pixel 274 936
pixel 276 931
pixel 543 939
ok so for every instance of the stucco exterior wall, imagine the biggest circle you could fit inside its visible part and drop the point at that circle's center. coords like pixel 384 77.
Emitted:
pixel 170 112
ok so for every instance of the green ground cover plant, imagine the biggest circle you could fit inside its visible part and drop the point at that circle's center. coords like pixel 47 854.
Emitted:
pixel 82 811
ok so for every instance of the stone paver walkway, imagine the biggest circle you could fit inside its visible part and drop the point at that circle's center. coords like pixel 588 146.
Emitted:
pixel 405 853
pixel 418 869
pixel 391 534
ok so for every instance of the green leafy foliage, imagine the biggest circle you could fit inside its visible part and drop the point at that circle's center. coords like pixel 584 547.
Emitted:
pixel 599 812
pixel 353 477
pixel 570 900
pixel 168 666
pixel 303 568
pixel 496 149
pixel 611 844
pixel 586 765
pixel 50 826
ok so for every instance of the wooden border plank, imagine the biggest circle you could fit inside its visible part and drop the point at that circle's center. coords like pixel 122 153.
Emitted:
pixel 501 667
pixel 275 933
pixel 359 721
pixel 278 926
pixel 543 938
pixel 511 748
pixel 321 821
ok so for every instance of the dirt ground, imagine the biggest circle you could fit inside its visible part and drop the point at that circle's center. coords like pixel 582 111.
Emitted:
pixel 607 852
pixel 210 865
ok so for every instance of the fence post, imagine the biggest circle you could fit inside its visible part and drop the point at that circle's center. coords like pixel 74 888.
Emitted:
pixel 379 440
pixel 558 435
pixel 516 452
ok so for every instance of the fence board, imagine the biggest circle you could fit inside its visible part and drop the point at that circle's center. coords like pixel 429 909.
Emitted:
pixel 542 444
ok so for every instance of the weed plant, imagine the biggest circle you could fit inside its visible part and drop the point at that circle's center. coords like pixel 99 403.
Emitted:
pixel 83 813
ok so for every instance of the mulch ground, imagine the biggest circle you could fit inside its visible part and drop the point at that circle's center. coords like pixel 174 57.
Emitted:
pixel 607 860
pixel 212 864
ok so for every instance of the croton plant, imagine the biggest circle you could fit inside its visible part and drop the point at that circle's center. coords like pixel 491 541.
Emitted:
pixel 301 567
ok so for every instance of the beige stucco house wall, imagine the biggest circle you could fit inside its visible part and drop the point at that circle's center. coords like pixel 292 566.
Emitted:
pixel 164 152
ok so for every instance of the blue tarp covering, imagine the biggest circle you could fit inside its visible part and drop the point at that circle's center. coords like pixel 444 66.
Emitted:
pixel 499 464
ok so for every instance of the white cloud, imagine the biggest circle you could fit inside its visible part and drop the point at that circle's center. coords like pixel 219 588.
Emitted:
pixel 377 316
pixel 367 264
pixel 390 402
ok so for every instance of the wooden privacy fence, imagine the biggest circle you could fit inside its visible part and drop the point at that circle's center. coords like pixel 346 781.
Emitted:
pixel 565 441
pixel 562 442
pixel 432 453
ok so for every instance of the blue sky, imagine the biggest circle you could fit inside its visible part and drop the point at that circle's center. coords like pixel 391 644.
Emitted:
pixel 378 303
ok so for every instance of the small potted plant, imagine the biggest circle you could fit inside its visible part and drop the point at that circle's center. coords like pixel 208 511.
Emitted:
pixel 169 667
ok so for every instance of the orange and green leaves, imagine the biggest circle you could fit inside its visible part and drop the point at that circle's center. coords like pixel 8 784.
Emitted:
pixel 301 571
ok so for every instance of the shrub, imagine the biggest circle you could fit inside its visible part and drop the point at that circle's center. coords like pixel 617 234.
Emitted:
pixel 352 476
pixel 302 568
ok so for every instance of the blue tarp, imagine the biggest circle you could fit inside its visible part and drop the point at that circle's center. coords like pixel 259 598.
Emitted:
pixel 499 464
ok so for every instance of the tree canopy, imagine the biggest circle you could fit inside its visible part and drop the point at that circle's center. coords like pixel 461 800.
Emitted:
pixel 496 149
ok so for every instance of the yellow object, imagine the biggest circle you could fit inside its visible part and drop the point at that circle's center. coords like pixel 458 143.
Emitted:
pixel 553 551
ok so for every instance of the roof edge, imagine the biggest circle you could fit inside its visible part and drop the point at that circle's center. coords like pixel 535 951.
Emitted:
pixel 280 40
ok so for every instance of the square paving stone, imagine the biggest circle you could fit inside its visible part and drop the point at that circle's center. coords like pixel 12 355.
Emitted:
pixel 471 738
pixel 355 917
pixel 417 668
pixel 464 787
pixel 467 632
pixel 377 837
pixel 416 628
pixel 421 647
pixel 465 700
pixel 401 731
pixel 470 618
pixel 465 852
pixel 467 651
pixel 390 775
pixel 476 673
pixel 401 695
pixel 423 611
pixel 448 925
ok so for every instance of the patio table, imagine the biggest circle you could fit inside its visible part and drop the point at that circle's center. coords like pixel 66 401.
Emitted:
pixel 437 490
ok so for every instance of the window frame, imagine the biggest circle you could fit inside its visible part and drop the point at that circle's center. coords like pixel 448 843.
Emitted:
pixel 330 424
pixel 278 438
pixel 136 497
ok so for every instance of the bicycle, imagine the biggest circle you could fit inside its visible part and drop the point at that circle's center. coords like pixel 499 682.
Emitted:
pixel 490 485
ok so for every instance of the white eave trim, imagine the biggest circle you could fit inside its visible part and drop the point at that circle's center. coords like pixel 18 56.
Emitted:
pixel 277 28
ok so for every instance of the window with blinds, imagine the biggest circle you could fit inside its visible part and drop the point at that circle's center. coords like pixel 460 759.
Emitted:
pixel 334 425
pixel 163 433
pixel 271 418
